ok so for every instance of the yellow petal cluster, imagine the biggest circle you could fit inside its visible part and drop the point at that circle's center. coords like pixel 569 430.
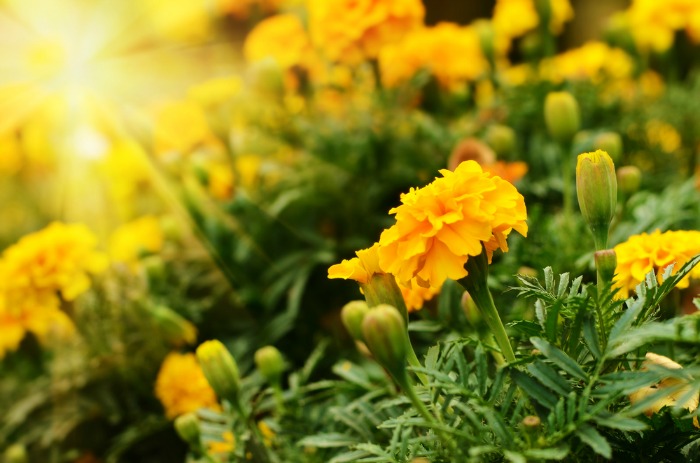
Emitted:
pixel 180 127
pixel 452 53
pixel 416 296
pixel 36 273
pixel 360 268
pixel 131 240
pixel 643 253
pixel 673 397
pixel 440 225
pixel 353 30
pixel 653 24
pixel 514 18
pixel 282 38
pixel 181 386
pixel 594 61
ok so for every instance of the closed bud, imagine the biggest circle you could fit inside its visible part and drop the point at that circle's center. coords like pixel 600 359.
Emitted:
pixel 352 315
pixel 471 311
pixel 220 369
pixel 596 186
pixel 385 334
pixel 270 363
pixel 16 453
pixel 187 427
pixel 501 139
pixel 605 264
pixel 629 178
pixel 562 116
pixel 531 422
pixel 173 327
pixel 611 143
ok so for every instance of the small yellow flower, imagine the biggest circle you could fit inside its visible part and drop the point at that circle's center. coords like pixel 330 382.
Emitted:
pixel 360 268
pixel 131 240
pixel 282 38
pixel 180 127
pixel 643 253
pixel 226 445
pixel 672 399
pixel 181 386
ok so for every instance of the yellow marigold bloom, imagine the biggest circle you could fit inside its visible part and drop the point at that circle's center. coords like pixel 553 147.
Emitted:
pixel 514 18
pixel 267 433
pixel 593 61
pixel 131 240
pixel 452 53
pixel 226 445
pixel 360 268
pixel 181 386
pixel 440 225
pixel 653 24
pixel 282 38
pixel 354 30
pixel 416 296
pixel 54 260
pixel 643 253
pixel 663 135
pixel 672 399
pixel 180 127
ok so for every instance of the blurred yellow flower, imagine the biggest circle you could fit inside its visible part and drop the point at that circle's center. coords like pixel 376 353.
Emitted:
pixel 178 21
pixel 641 254
pixel 282 38
pixel 213 92
pixel 653 24
pixel 440 225
pixel 180 127
pixel 663 135
pixel 131 240
pixel 514 18
pixel 592 61
pixel 508 171
pixel 673 397
pixel 452 53
pixel 10 154
pixel 353 30
pixel 220 180
pixel 226 445
pixel 181 386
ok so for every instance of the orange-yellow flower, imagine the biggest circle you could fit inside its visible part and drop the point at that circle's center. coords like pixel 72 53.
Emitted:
pixel 643 253
pixel 416 296
pixel 128 242
pixel 181 386
pixel 360 268
pixel 440 225
pixel 353 30
pixel 452 53
pixel 282 38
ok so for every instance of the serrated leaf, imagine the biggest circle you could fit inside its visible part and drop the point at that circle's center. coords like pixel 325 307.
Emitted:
pixel 549 279
pixel 621 423
pixel 558 357
pixel 594 440
pixel 534 389
pixel 526 327
pixel 575 287
pixel 563 284
pixel 431 358
pixel 590 336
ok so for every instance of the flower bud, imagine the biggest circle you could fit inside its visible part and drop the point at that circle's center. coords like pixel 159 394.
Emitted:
pixel 484 30
pixel 596 186
pixel 605 263
pixel 629 178
pixel 471 311
pixel 611 143
pixel 352 315
pixel 562 116
pixel 16 453
pixel 173 327
pixel 187 427
pixel 385 334
pixel 531 422
pixel 220 369
pixel 270 363
pixel 501 139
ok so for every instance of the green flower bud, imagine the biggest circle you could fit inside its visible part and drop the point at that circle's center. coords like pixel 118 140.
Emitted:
pixel 471 311
pixel 484 30
pixel 352 315
pixel 501 139
pixel 270 363
pixel 562 116
pixel 611 143
pixel 16 453
pixel 220 369
pixel 531 422
pixel 596 186
pixel 386 337
pixel 174 328
pixel 187 427
pixel 605 263
pixel 629 178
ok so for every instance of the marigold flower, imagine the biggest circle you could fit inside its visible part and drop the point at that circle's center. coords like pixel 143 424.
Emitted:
pixel 353 30
pixel 282 38
pixel 594 61
pixel 181 386
pixel 360 268
pixel 128 242
pixel 672 399
pixel 440 225
pixel 643 253
pixel 416 296
pixel 514 18
pixel 452 53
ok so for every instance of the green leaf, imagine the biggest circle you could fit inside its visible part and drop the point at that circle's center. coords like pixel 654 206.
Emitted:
pixel 594 440
pixel 534 389
pixel 526 327
pixel 616 421
pixel 328 440
pixel 550 378
pixel 554 453
pixel 558 357
pixel 514 457
pixel 590 336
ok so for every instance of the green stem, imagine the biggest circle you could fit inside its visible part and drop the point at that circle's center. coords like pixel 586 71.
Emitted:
pixel 476 283
pixel 414 362
pixel 567 180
